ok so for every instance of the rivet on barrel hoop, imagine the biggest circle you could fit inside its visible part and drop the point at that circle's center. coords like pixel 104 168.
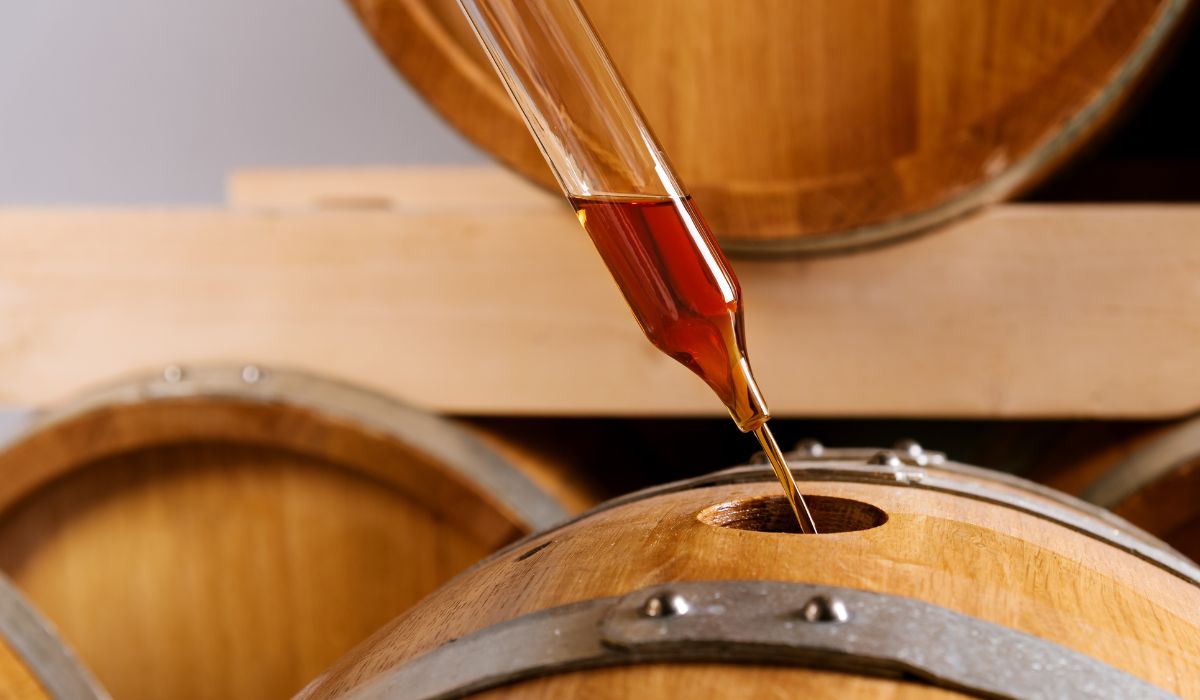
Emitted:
pixel 810 448
pixel 913 450
pixel 665 604
pixel 173 374
pixel 251 374
pixel 821 608
pixel 886 458
pixel 910 447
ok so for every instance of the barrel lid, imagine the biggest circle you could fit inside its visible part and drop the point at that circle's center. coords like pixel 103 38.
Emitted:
pixel 825 124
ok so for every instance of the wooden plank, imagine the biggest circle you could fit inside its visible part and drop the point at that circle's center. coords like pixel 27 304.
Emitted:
pixel 1023 311
pixel 424 189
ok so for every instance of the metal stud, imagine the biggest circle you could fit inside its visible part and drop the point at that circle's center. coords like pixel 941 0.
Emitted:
pixel 251 374
pixel 822 608
pixel 665 604
pixel 810 448
pixel 173 374
pixel 886 458
pixel 910 447
pixel 913 475
pixel 918 455
pixel 759 458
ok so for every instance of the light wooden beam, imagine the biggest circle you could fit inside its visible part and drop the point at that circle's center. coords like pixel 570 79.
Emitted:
pixel 1023 311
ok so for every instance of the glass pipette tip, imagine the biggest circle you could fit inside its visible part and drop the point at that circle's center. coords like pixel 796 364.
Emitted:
pixel 775 457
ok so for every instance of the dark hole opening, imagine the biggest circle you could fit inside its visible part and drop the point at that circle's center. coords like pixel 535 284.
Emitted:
pixel 774 514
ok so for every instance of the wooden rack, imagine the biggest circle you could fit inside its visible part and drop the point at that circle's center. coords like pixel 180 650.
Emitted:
pixel 470 291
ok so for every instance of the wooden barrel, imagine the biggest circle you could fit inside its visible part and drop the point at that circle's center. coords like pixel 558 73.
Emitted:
pixel 931 580
pixel 825 123
pixel 34 664
pixel 228 532
pixel 1149 475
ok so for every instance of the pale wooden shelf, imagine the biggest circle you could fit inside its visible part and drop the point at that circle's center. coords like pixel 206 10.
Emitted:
pixel 469 291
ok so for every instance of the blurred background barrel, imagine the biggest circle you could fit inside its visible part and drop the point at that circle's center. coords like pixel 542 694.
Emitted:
pixel 226 532
pixel 818 125
pixel 34 663
pixel 1149 474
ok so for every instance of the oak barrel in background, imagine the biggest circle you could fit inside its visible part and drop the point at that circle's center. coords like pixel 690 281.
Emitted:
pixel 827 123
pixel 227 532
pixel 1148 474
pixel 34 663
pixel 932 580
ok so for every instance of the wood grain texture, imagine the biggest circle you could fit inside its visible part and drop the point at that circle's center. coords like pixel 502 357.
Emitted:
pixel 968 555
pixel 825 123
pixel 16 679
pixel 212 571
pixel 446 189
pixel 192 539
pixel 1022 311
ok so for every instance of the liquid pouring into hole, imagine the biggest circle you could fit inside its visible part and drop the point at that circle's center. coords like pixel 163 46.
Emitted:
pixel 774 514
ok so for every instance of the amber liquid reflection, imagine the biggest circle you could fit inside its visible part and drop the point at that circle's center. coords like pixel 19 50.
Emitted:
pixel 688 302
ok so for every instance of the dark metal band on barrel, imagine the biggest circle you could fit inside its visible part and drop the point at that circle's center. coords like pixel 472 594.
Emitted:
pixel 59 674
pixel 762 622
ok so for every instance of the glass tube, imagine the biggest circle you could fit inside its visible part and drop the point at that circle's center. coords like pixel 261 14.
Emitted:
pixel 649 233
pixel 588 127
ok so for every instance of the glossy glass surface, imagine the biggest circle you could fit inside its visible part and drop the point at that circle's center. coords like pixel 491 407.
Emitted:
pixel 680 288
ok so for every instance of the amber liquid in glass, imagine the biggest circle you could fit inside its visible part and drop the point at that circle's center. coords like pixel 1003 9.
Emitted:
pixel 678 284
pixel 681 290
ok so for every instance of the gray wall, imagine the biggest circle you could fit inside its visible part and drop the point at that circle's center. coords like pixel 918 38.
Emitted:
pixel 153 101
pixel 142 102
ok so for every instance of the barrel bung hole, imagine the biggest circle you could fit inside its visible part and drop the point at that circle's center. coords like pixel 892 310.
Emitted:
pixel 774 514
